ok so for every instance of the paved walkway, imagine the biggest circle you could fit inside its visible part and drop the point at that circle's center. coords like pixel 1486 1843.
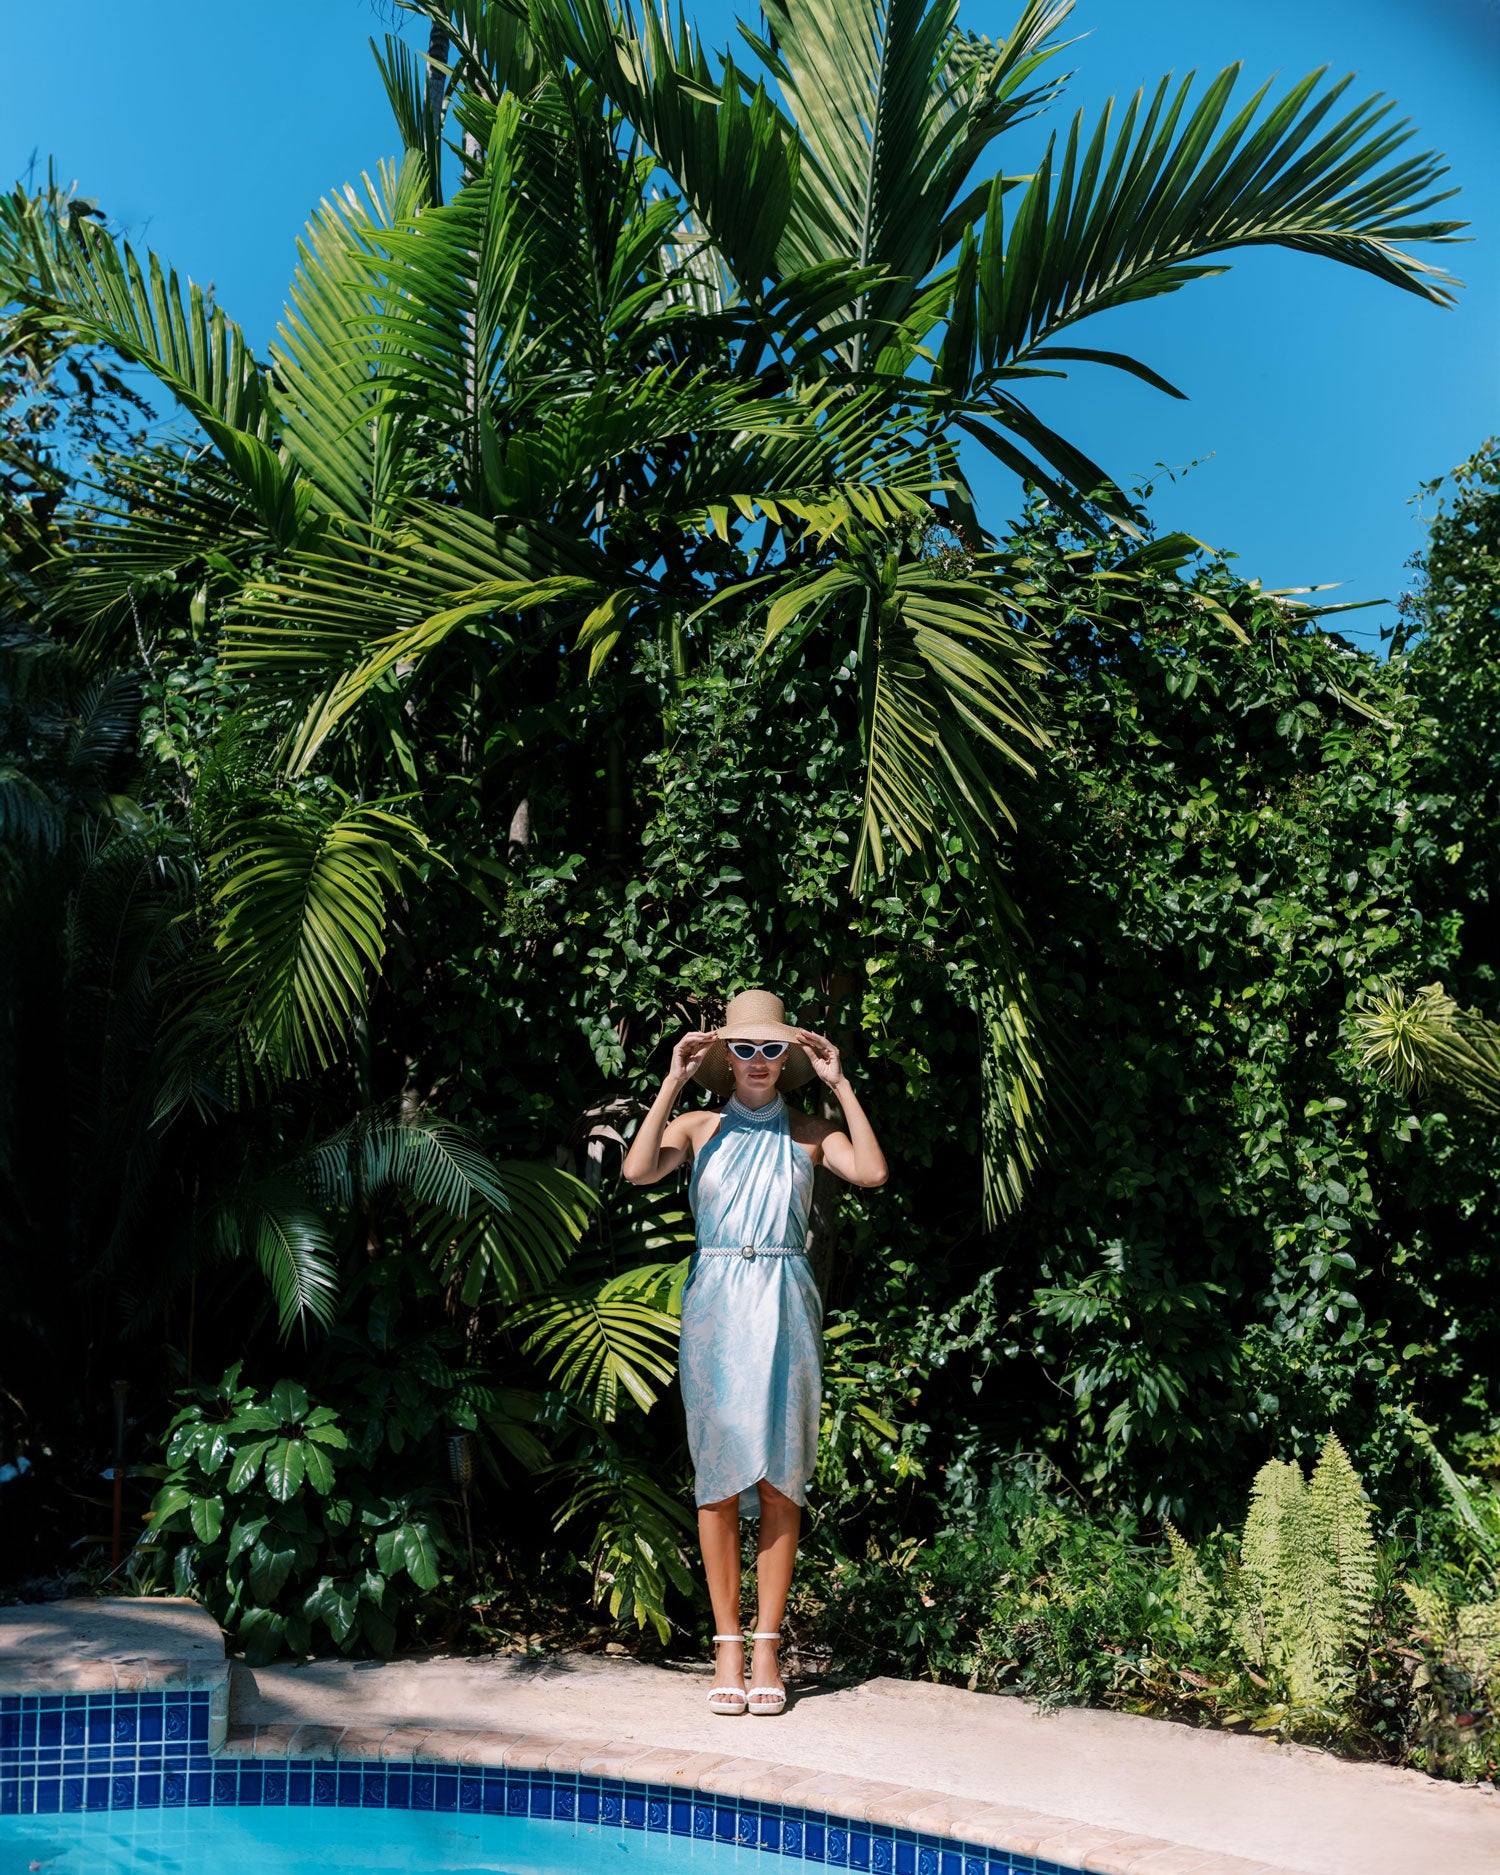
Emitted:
pixel 1212 1792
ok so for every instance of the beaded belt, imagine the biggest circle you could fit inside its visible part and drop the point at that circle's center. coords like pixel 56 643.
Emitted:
pixel 748 1251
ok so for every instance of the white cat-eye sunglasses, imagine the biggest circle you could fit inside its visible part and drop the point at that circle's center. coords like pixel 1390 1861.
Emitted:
pixel 768 1051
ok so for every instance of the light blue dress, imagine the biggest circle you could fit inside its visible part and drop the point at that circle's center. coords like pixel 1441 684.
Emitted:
pixel 750 1360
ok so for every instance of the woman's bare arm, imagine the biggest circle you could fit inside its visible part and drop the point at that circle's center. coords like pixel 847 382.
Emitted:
pixel 662 1143
pixel 854 1154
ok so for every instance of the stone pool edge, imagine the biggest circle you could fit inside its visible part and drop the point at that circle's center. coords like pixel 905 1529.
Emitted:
pixel 1086 1847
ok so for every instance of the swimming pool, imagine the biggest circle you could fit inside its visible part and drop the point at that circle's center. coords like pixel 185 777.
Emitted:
pixel 309 1842
pixel 126 1781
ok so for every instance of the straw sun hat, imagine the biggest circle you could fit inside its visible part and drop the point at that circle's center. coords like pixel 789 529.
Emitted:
pixel 752 1016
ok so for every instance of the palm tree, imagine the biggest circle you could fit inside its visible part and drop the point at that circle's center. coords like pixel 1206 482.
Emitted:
pixel 683 340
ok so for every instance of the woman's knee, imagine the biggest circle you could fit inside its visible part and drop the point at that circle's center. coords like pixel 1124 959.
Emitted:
pixel 771 1498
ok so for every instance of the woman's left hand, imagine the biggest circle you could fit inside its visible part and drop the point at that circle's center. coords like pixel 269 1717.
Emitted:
pixel 823 1056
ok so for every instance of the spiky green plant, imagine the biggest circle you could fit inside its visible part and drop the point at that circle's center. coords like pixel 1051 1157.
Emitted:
pixel 1421 1039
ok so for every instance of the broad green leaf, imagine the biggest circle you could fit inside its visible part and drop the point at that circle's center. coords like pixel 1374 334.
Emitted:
pixel 271 1560
pixel 246 1464
pixel 288 1401
pixel 419 1554
pixel 285 1468
pixel 171 1499
pixel 207 1514
pixel 334 1436
pixel 319 1467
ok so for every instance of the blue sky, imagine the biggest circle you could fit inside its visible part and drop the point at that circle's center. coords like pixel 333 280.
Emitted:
pixel 1318 398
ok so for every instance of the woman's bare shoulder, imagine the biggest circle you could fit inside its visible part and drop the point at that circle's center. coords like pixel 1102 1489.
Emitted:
pixel 696 1127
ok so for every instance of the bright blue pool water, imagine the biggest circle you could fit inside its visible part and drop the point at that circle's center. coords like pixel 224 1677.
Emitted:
pixel 125 1783
pixel 354 1842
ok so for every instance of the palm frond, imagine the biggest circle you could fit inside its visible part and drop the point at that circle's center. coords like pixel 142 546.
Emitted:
pixel 1139 217
pixel 947 698
pixel 85 285
pixel 491 47
pixel 332 388
pixel 892 106
pixel 407 77
pixel 420 1156
pixel 637 1553
pixel 449 325
pixel 29 815
pixel 504 1252
pixel 300 893
pixel 605 1337
pixel 722 141
pixel 273 1221
pixel 1018 1085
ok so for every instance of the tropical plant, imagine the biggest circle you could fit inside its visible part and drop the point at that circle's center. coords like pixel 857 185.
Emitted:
pixel 671 347
pixel 279 1523
pixel 1416 1040
pixel 1304 1582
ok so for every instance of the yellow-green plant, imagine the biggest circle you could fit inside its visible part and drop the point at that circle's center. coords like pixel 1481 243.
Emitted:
pixel 1307 1574
pixel 1412 1041
pixel 1301 1590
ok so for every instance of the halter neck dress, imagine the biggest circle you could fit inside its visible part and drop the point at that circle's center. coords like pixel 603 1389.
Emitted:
pixel 752 1317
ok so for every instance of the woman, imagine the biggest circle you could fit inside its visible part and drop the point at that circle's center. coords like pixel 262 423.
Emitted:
pixel 751 1313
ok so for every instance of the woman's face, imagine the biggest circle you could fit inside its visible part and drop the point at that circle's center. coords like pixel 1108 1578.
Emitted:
pixel 755 1080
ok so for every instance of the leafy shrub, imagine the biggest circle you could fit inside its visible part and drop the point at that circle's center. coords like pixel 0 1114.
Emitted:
pixel 1302 1625
pixel 1034 1596
pixel 271 1516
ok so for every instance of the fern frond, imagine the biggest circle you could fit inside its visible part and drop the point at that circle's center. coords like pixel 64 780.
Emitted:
pixel 1195 1593
pixel 1270 1531
pixel 1338 1514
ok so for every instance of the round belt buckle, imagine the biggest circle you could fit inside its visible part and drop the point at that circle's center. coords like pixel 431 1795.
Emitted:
pixel 747 1251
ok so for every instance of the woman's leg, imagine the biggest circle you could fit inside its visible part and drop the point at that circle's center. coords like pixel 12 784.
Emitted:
pixel 780 1526
pixel 719 1533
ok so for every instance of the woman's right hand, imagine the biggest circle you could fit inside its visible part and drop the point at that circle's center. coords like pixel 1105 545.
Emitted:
pixel 689 1052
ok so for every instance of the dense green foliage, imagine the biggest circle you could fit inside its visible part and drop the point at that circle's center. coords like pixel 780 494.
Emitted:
pixel 582 615
pixel 1024 1590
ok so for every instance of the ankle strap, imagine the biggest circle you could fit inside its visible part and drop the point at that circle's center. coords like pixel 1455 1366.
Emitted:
pixel 774 1636
pixel 729 1637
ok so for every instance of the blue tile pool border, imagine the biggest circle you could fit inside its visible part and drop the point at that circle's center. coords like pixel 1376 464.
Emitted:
pixel 141 1750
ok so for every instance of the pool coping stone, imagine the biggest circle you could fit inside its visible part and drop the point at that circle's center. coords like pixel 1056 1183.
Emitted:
pixel 1087 1847
pixel 111 1646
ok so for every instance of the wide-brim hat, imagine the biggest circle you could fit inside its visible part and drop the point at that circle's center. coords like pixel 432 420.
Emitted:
pixel 752 1016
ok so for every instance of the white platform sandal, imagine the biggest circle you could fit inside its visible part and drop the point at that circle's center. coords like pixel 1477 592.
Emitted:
pixel 730 1700
pixel 766 1701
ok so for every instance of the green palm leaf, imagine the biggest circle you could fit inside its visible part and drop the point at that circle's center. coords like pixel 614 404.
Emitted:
pixel 502 1252
pixel 86 286
pixel 948 704
pixel 1138 215
pixel 893 105
pixel 332 391
pixel 637 1553
pixel 449 325
pixel 431 1160
pixel 273 1221
pixel 723 142
pixel 604 1337
pixel 491 49
pixel 301 903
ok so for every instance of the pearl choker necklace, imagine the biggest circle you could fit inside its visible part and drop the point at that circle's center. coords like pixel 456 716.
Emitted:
pixel 757 1116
